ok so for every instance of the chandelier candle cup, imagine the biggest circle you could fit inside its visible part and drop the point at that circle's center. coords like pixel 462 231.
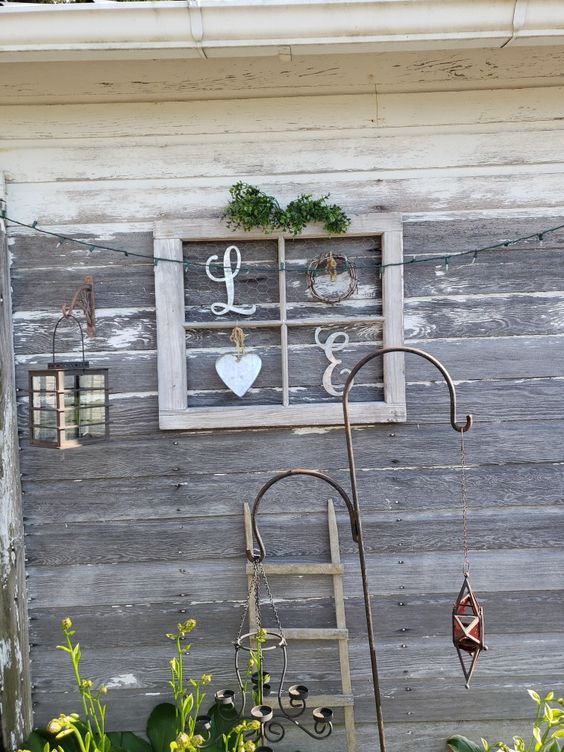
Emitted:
pixel 262 713
pixel 322 716
pixel 203 722
pixel 298 692
pixel 225 697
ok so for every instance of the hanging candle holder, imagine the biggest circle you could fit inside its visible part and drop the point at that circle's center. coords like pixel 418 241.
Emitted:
pixel 68 401
pixel 467 614
pixel 273 707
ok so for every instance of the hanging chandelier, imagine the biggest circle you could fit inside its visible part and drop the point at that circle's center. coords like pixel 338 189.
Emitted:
pixel 261 697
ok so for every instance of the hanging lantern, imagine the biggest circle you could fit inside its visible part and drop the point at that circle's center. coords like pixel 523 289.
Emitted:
pixel 468 629
pixel 68 401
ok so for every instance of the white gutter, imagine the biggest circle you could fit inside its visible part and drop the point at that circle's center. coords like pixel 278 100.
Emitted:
pixel 227 28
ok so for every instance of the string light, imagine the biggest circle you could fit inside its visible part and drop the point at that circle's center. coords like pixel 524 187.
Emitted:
pixel 187 263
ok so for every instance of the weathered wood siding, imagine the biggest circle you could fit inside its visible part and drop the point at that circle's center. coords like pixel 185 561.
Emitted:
pixel 128 537
pixel 15 684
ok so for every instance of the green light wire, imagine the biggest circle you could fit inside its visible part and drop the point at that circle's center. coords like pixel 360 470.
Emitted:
pixel 187 263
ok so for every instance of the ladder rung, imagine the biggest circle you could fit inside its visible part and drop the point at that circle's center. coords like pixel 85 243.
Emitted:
pixel 299 569
pixel 314 633
pixel 323 701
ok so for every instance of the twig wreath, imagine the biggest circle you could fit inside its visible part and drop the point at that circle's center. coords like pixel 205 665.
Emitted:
pixel 250 207
pixel 329 265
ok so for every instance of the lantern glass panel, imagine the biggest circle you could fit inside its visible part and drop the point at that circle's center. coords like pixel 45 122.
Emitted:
pixel 85 406
pixel 43 400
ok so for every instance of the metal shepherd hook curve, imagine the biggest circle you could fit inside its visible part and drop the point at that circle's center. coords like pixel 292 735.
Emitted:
pixel 462 428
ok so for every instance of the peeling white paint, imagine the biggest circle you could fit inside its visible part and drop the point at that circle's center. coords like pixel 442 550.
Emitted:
pixel 122 681
pixel 5 654
pixel 313 429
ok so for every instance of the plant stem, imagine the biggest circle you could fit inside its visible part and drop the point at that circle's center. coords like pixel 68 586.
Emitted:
pixel 78 679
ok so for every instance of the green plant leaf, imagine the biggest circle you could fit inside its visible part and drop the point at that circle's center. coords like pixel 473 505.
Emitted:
pixel 35 742
pixel 127 741
pixel 552 746
pixel 549 697
pixel 485 744
pixel 559 733
pixel 535 696
pixel 161 726
pixel 41 735
pixel 460 743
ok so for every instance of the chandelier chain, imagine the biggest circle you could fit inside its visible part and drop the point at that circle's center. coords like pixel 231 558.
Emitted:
pixel 271 600
pixel 464 494
pixel 251 593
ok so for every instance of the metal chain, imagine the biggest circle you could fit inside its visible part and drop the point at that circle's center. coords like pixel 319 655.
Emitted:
pixel 271 600
pixel 257 595
pixel 464 494
pixel 252 592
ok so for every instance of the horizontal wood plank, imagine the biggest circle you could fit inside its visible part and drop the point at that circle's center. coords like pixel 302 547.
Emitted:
pixel 391 491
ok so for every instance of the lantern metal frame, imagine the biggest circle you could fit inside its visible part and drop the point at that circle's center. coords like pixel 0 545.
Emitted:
pixel 468 628
pixel 59 370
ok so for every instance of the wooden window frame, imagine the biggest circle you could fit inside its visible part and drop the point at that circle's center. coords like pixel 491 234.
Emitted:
pixel 174 413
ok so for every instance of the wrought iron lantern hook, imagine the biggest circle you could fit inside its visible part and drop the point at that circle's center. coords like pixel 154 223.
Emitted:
pixel 68 317
pixel 254 556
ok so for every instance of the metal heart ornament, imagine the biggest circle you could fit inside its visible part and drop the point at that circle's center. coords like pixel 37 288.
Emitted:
pixel 238 372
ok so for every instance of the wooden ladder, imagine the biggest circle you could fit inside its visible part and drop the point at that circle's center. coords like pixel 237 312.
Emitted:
pixel 334 568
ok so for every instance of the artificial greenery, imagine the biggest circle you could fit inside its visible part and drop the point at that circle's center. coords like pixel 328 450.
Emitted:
pixel 547 733
pixel 251 208
pixel 171 727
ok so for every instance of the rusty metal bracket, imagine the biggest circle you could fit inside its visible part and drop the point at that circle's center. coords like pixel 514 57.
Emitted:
pixel 85 299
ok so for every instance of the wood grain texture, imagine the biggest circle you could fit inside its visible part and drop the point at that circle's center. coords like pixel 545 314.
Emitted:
pixel 423 616
pixel 283 114
pixel 103 81
pixel 15 696
pixel 152 582
pixel 81 202
pixel 385 447
pixel 383 149
pixel 191 496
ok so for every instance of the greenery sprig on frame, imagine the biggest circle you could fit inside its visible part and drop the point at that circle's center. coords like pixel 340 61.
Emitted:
pixel 251 208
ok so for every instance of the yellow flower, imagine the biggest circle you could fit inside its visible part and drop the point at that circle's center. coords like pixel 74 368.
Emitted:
pixel 183 740
pixel 86 683
pixel 54 726
pixel 66 624
pixel 102 689
pixel 198 740
pixel 206 679
pixel 261 635
pixel 250 746
pixel 186 627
